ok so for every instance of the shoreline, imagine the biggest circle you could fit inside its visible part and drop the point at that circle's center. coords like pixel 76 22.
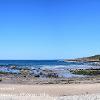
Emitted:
pixel 30 80
pixel 13 79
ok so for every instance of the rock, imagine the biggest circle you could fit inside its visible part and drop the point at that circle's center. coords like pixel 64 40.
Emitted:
pixel 25 72
pixel 36 75
pixel 13 67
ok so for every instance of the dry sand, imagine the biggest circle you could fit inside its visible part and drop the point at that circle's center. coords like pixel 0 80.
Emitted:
pixel 75 97
pixel 49 92
pixel 52 90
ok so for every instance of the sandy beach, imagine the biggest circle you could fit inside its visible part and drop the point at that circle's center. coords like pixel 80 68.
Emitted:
pixel 48 92
pixel 52 90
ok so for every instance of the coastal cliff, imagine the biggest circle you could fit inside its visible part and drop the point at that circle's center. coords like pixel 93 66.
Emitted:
pixel 95 58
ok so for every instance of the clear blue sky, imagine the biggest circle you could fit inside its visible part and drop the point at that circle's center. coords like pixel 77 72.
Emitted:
pixel 49 29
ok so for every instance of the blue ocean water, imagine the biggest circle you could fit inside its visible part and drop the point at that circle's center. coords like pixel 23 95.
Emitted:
pixel 44 63
pixel 36 62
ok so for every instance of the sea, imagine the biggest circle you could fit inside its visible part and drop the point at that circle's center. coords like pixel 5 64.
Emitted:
pixel 59 66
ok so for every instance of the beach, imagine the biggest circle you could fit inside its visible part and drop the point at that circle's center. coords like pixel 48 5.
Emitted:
pixel 75 97
pixel 49 92
pixel 49 80
pixel 52 90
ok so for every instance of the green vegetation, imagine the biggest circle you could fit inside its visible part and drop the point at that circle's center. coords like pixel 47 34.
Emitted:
pixel 0 79
pixel 95 57
pixel 1 72
pixel 86 72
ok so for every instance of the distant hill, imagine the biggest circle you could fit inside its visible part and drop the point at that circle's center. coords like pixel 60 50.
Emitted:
pixel 95 58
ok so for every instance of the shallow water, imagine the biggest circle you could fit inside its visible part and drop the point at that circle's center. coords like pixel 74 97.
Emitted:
pixel 60 67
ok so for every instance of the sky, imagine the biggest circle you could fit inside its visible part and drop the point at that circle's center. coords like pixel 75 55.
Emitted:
pixel 49 29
